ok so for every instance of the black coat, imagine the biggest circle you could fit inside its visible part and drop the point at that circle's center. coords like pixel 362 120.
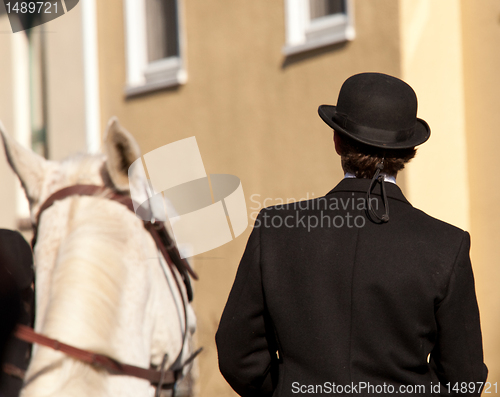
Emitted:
pixel 351 301
pixel 16 306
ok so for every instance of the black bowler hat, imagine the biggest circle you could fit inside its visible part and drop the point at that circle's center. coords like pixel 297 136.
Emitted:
pixel 377 110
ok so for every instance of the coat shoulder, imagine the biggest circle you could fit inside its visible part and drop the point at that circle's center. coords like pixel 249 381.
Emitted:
pixel 436 225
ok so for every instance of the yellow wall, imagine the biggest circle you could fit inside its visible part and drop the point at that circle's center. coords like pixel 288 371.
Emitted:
pixel 450 57
pixel 481 37
pixel 253 112
pixel 431 62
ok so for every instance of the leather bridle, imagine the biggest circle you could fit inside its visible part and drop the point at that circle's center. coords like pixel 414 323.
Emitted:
pixel 162 378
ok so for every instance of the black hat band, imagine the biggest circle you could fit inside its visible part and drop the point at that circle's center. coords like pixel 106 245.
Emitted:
pixel 375 134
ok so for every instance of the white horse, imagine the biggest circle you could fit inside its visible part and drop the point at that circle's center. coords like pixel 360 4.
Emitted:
pixel 99 282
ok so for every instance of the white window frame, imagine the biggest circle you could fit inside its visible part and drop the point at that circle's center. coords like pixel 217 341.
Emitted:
pixel 144 76
pixel 304 34
pixel 22 126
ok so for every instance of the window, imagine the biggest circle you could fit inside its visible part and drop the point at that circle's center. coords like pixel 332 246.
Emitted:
pixel 154 45
pixel 316 23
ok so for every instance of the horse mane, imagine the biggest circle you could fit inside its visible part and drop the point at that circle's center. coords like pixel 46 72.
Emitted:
pixel 90 264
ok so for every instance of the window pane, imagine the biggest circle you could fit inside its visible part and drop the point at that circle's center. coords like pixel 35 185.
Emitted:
pixel 162 35
pixel 323 8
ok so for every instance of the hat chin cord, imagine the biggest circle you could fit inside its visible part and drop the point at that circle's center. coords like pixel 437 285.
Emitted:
pixel 371 213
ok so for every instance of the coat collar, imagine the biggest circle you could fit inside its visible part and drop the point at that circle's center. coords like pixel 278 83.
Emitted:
pixel 362 184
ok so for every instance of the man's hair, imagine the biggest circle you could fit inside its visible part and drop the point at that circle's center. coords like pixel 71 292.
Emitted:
pixel 361 160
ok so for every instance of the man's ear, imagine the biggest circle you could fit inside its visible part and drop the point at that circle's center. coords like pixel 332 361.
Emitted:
pixel 28 166
pixel 122 150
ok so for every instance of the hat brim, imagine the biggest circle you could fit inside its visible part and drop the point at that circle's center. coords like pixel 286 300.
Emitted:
pixel 420 133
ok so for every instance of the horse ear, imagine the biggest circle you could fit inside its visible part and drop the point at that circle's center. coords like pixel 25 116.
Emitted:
pixel 28 166
pixel 122 150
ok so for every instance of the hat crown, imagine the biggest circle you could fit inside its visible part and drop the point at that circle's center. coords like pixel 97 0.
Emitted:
pixel 378 101
pixel 377 110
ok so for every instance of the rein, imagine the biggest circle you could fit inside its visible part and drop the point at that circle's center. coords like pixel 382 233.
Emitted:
pixel 163 378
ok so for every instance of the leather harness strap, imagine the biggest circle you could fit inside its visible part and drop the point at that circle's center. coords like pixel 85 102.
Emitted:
pixel 163 379
pixel 28 335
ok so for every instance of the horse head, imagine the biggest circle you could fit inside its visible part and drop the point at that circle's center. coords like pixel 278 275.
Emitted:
pixel 100 283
